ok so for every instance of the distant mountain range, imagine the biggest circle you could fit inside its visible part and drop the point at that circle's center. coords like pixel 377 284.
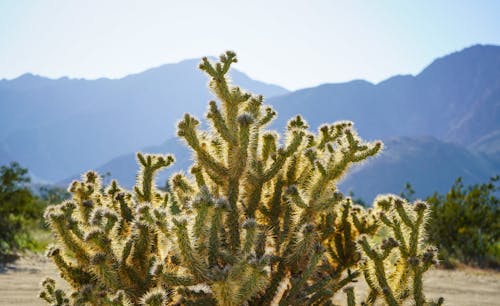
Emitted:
pixel 57 128
pixel 456 99
pixel 437 125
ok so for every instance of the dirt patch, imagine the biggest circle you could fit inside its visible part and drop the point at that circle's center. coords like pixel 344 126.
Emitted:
pixel 20 281
pixel 467 287
pixel 19 284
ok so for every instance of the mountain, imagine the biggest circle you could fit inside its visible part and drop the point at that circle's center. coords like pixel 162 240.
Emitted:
pixel 428 164
pixel 124 168
pixel 60 127
pixel 455 101
pixel 456 98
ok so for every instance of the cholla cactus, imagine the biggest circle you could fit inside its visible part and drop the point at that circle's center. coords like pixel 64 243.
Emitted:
pixel 394 269
pixel 258 222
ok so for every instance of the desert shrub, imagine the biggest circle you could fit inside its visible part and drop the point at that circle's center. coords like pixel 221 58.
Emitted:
pixel 19 208
pixel 465 224
pixel 258 222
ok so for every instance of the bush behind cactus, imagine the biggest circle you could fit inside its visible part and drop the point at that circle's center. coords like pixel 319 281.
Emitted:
pixel 258 222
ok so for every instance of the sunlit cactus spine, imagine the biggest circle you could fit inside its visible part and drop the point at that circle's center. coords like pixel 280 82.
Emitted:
pixel 258 221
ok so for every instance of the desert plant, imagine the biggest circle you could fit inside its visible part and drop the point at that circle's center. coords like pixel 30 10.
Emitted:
pixel 465 223
pixel 19 208
pixel 259 221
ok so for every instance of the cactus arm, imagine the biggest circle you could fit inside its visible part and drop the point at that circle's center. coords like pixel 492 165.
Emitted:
pixel 250 234
pixel 219 123
pixel 214 239
pixel 380 272
pixel 351 299
pixel 150 164
pixel 188 254
pixel 297 284
pixel 256 280
pixel 186 130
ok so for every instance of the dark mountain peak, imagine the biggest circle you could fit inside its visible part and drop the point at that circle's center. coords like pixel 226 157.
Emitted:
pixel 351 84
pixel 480 48
pixel 485 52
pixel 397 79
pixel 28 79
pixel 333 87
pixel 476 57
pixel 27 76
pixel 25 81
pixel 39 116
pixel 187 71
pixel 188 65
pixel 31 77
pixel 474 51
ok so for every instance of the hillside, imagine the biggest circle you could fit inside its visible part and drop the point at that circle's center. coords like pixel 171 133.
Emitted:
pixel 456 98
pixel 60 127
pixel 124 167
pixel 428 164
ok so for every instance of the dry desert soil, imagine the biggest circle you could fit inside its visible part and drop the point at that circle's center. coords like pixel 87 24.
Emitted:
pixel 19 284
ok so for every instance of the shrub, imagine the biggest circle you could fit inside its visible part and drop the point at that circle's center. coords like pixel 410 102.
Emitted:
pixel 259 221
pixel 18 208
pixel 465 224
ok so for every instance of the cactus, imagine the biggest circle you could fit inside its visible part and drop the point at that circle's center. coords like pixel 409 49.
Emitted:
pixel 259 220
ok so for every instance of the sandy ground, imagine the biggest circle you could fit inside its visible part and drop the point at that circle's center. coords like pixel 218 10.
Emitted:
pixel 19 284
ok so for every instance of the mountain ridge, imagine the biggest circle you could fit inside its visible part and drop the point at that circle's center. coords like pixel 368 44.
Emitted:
pixel 434 100
pixel 452 102
pixel 50 125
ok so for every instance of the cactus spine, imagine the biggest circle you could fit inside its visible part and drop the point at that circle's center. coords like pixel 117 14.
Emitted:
pixel 258 222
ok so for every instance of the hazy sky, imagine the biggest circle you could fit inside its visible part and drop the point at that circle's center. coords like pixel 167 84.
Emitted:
pixel 291 43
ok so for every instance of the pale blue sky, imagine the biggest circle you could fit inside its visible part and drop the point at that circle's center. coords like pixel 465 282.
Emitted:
pixel 291 43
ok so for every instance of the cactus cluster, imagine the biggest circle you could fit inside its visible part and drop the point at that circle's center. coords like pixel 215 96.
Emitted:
pixel 259 221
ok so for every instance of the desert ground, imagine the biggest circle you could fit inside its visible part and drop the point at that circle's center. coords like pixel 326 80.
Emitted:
pixel 19 283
